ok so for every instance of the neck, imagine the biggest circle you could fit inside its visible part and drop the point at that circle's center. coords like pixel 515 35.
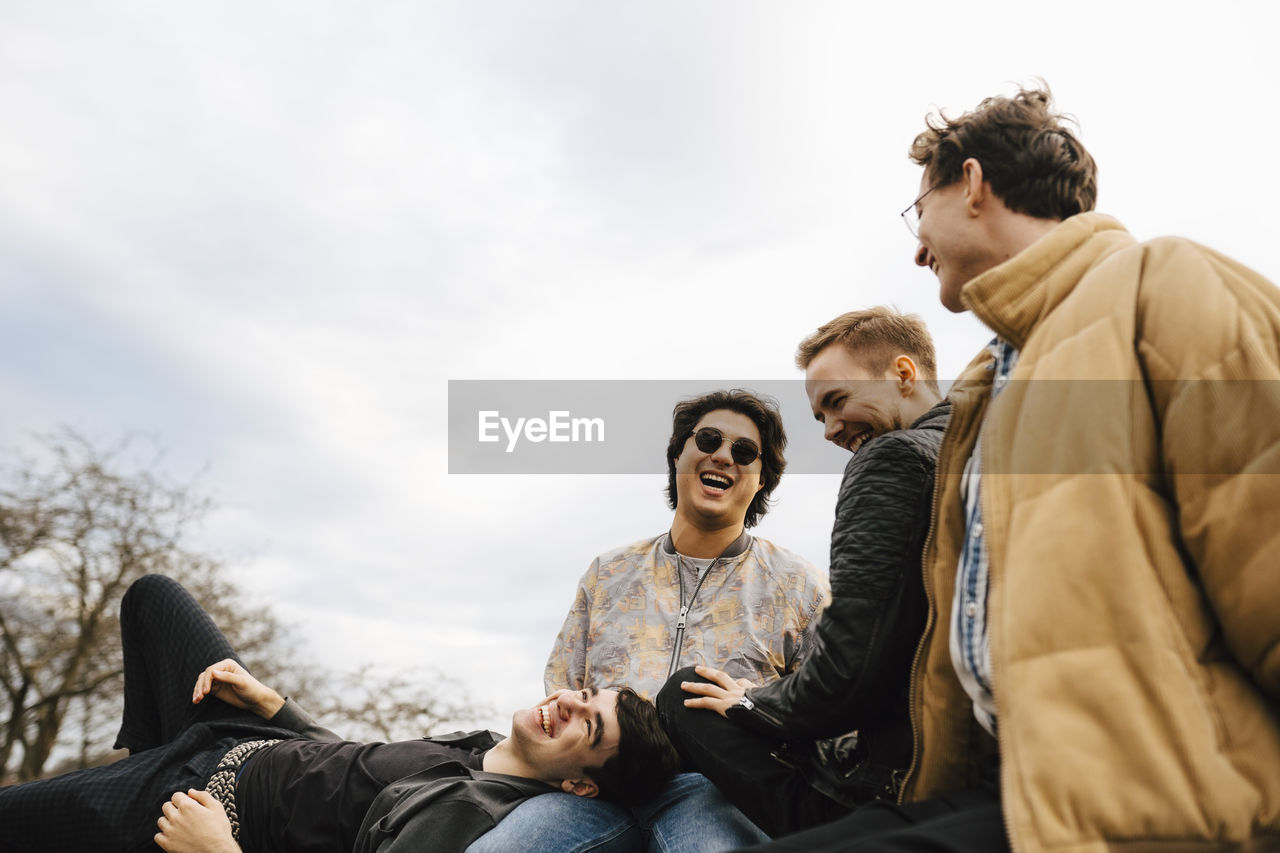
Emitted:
pixel 503 758
pixel 709 542
pixel 922 400
pixel 1017 231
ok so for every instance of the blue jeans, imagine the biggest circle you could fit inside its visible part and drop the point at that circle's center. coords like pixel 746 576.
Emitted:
pixel 690 815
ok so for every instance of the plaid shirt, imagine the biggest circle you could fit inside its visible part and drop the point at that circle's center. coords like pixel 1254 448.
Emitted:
pixel 970 651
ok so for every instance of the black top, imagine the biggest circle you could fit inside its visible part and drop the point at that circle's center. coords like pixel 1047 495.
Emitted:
pixel 858 672
pixel 306 795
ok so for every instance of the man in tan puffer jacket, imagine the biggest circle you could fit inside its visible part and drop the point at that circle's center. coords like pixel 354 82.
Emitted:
pixel 1101 665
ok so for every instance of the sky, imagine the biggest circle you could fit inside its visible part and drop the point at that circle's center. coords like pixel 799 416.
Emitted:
pixel 269 236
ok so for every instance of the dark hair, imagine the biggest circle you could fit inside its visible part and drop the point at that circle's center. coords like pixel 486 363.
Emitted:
pixel 875 336
pixel 763 412
pixel 645 760
pixel 1035 164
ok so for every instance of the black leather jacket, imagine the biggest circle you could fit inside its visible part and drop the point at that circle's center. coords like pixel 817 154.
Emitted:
pixel 444 808
pixel 856 677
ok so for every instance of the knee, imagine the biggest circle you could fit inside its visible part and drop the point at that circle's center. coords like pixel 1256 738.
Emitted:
pixel 671 698
pixel 147 593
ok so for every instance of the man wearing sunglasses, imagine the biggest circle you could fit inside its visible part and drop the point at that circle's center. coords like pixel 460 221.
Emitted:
pixel 780 751
pixel 706 591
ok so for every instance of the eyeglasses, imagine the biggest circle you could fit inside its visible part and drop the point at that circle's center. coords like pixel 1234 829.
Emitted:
pixel 911 215
pixel 710 439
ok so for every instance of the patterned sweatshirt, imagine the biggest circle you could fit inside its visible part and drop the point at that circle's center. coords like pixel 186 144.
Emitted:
pixel 751 612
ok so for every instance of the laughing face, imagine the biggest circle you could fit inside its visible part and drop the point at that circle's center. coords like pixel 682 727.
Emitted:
pixel 853 404
pixel 952 240
pixel 712 490
pixel 567 733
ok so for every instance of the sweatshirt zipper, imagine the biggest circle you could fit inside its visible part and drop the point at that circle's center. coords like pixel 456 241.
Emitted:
pixel 684 609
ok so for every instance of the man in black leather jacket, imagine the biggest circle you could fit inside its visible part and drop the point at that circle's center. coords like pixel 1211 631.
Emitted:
pixel 835 733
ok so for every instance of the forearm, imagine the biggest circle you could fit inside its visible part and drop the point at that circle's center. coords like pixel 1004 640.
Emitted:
pixel 865 638
pixel 291 716
pixel 848 672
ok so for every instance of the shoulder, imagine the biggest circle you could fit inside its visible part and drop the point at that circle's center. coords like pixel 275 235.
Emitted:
pixel 772 554
pixel 917 446
pixel 617 564
pixel 476 739
pixel 1200 312
pixel 1176 268
pixel 641 549
pixel 780 561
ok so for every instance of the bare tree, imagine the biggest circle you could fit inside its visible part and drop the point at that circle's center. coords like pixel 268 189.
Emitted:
pixel 74 533
pixel 373 705
pixel 77 527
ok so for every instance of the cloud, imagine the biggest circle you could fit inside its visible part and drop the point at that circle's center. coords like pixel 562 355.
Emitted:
pixel 270 235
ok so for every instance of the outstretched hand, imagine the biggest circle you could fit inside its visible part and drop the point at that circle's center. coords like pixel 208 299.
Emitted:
pixel 233 684
pixel 195 822
pixel 718 694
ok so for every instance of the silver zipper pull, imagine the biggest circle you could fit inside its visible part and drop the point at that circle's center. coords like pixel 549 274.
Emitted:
pixel 684 613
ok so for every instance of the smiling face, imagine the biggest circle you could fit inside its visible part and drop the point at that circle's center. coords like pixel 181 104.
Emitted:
pixel 853 404
pixel 954 241
pixel 712 490
pixel 566 734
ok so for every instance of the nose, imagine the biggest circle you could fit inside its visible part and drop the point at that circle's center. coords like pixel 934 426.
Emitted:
pixel 723 454
pixel 831 429
pixel 569 701
pixel 922 255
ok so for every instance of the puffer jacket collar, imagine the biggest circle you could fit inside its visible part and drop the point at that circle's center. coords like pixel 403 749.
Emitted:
pixel 1012 298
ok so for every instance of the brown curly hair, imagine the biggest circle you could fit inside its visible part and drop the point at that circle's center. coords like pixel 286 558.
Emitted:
pixel 1033 161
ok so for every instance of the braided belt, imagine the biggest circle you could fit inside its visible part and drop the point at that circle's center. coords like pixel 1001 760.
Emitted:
pixel 222 784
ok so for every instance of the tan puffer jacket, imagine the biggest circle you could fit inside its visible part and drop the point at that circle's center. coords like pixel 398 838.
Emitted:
pixel 1131 498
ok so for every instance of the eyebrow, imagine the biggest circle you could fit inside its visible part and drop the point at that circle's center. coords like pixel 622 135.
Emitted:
pixel 599 732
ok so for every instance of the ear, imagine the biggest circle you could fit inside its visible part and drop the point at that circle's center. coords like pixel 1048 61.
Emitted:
pixel 975 190
pixel 904 368
pixel 580 787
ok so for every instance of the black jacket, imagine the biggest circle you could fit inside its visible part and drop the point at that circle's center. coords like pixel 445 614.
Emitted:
pixel 857 675
pixel 446 807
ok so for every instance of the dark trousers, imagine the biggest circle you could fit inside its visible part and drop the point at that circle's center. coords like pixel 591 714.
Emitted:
pixel 773 794
pixel 174 745
pixel 966 822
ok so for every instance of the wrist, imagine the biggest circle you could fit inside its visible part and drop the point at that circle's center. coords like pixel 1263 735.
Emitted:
pixel 271 706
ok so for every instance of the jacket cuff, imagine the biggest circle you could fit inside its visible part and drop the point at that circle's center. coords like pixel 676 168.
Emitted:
pixel 295 719
pixel 749 714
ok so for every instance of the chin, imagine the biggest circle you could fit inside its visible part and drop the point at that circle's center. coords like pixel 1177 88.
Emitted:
pixel 950 299
pixel 525 720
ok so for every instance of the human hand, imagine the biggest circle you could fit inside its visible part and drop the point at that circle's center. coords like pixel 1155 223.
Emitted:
pixel 233 684
pixel 195 822
pixel 719 694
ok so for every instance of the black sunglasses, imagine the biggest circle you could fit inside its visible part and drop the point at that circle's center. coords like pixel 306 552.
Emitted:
pixel 710 439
